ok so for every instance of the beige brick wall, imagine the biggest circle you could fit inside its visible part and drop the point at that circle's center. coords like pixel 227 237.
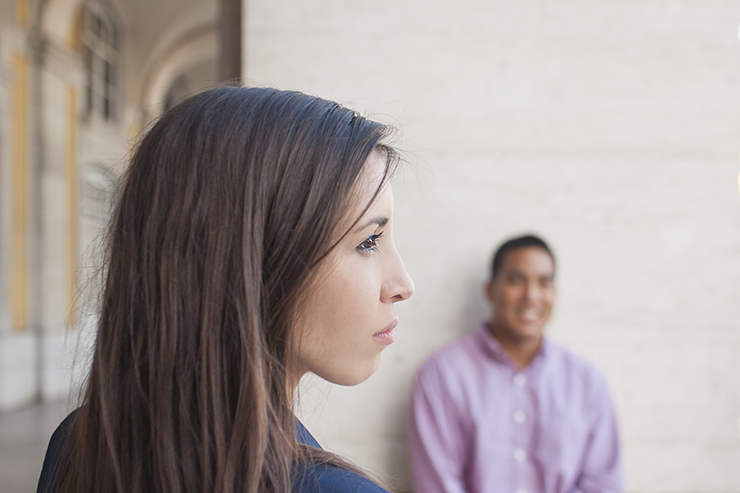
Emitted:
pixel 609 127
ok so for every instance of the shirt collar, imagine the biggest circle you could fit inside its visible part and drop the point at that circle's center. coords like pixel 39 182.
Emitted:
pixel 304 436
pixel 492 347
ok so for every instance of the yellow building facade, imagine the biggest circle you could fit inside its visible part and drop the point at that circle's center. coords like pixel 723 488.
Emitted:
pixel 78 80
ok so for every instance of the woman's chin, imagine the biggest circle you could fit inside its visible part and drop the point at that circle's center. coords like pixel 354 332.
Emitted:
pixel 351 376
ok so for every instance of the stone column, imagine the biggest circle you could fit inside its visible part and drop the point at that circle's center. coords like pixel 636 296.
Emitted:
pixel 230 39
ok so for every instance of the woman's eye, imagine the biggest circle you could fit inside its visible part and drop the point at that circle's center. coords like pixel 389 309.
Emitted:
pixel 370 244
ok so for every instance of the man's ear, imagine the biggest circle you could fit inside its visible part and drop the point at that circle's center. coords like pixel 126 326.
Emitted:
pixel 489 289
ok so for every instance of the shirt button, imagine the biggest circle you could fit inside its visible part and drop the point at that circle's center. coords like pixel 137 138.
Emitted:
pixel 519 379
pixel 520 455
pixel 520 417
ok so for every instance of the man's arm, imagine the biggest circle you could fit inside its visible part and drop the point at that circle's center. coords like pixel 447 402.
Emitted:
pixel 436 436
pixel 602 467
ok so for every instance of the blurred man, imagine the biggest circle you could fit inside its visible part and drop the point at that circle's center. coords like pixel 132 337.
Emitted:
pixel 507 411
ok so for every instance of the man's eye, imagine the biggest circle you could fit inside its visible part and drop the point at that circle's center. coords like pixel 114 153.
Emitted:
pixel 370 243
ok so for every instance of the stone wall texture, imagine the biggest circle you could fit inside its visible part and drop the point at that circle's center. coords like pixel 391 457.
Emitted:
pixel 611 128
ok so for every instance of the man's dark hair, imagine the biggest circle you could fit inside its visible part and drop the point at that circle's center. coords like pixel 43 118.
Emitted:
pixel 515 244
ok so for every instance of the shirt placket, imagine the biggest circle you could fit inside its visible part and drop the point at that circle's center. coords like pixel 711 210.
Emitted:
pixel 520 416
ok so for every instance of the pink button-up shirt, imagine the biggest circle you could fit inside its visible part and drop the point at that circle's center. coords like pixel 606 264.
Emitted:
pixel 477 425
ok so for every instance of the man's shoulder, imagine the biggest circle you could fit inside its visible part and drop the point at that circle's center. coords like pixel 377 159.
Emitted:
pixel 460 350
pixel 454 361
pixel 574 364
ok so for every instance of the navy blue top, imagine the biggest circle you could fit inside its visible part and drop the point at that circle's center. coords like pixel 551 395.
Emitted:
pixel 315 478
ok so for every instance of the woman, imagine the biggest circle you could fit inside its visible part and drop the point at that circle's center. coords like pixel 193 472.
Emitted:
pixel 251 243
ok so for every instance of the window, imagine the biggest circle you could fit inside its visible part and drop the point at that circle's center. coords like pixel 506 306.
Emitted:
pixel 100 45
pixel 98 186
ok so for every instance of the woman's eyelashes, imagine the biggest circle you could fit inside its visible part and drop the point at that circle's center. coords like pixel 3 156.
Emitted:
pixel 370 244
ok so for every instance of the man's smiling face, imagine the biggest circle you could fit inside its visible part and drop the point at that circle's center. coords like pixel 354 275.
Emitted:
pixel 522 294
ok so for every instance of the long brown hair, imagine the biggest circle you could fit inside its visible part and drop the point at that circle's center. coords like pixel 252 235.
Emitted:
pixel 229 203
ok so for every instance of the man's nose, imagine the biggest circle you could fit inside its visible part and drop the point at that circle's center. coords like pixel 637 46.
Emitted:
pixel 533 291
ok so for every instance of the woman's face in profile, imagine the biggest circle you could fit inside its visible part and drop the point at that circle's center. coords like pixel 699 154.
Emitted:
pixel 349 315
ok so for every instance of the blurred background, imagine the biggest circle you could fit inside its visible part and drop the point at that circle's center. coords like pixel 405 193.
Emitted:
pixel 610 128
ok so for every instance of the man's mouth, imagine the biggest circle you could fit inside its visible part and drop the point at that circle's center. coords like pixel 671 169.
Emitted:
pixel 530 315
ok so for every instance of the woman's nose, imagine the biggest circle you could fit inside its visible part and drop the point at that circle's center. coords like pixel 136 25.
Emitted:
pixel 400 286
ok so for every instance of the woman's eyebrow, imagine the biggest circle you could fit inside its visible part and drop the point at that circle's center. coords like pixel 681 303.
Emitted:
pixel 376 221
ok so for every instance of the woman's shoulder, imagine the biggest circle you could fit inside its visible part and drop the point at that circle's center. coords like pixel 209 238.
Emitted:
pixel 312 478
pixel 322 478
pixel 47 479
pixel 325 478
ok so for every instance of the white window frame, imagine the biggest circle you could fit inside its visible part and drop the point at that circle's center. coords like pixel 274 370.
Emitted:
pixel 100 37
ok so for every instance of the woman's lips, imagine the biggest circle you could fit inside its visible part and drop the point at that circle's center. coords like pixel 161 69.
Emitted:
pixel 387 335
